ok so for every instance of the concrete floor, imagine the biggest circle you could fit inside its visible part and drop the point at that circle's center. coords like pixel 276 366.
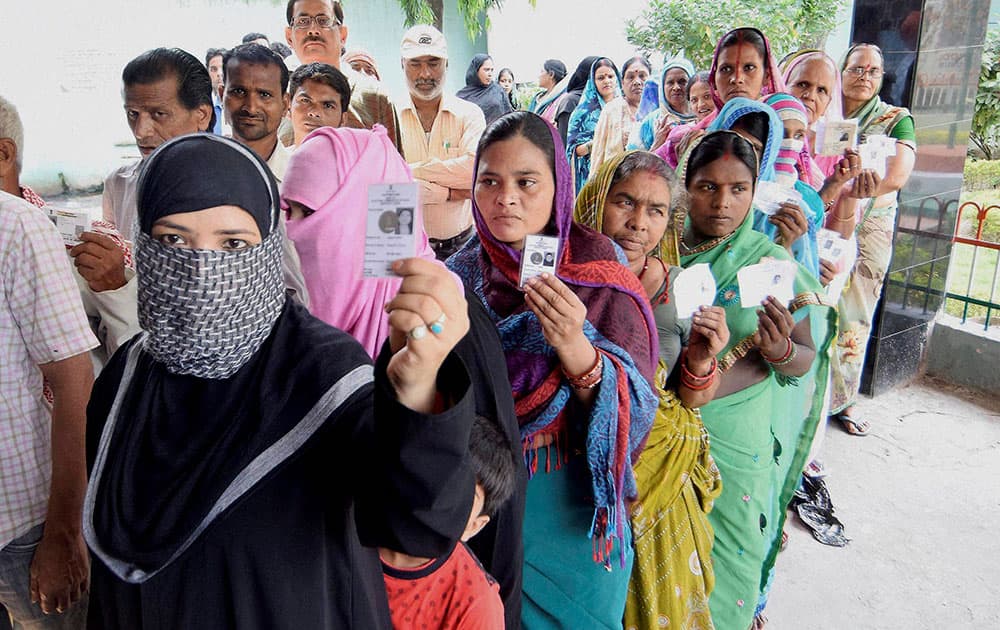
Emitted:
pixel 920 499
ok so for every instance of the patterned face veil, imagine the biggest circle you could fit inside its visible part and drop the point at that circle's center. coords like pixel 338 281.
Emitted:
pixel 206 312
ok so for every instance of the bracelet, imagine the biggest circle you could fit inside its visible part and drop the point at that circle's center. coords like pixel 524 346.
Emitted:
pixel 829 204
pixel 787 358
pixel 841 220
pixel 590 378
pixel 693 381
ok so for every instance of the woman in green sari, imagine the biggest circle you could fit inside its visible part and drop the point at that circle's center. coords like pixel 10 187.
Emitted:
pixel 629 201
pixel 774 374
pixel 873 223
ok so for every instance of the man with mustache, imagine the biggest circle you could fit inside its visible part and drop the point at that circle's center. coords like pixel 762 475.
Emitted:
pixel 167 93
pixel 255 81
pixel 440 133
pixel 316 32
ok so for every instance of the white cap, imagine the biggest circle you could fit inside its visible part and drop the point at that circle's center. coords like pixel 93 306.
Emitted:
pixel 423 40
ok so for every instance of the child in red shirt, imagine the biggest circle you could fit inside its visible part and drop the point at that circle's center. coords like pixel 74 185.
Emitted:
pixel 454 592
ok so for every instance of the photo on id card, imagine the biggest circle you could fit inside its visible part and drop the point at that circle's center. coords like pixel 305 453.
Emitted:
pixel 539 256
pixel 389 227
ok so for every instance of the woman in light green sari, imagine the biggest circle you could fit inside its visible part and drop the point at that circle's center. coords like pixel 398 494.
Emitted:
pixel 628 200
pixel 775 370
pixel 874 223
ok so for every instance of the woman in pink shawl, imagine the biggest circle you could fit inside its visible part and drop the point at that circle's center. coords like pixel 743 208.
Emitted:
pixel 743 65
pixel 325 191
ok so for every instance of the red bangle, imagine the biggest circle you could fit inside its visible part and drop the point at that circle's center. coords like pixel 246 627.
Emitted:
pixel 784 360
pixel 590 378
pixel 693 381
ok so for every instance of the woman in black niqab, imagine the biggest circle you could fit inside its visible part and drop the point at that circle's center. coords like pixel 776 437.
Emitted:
pixel 229 441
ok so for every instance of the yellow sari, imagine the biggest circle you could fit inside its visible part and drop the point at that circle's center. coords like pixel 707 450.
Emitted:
pixel 677 480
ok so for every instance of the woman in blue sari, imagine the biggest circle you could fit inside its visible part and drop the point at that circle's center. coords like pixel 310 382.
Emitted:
pixel 581 351
pixel 792 227
pixel 672 109
pixel 603 86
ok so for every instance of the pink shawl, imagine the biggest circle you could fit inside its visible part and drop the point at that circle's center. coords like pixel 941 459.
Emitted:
pixel 774 84
pixel 330 173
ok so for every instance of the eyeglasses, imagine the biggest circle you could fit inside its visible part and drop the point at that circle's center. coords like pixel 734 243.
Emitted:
pixel 303 22
pixel 860 71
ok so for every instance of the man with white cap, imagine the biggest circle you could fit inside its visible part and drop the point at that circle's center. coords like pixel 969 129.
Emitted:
pixel 440 133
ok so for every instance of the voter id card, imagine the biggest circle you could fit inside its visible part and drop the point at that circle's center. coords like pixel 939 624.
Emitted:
pixel 389 230
pixel 70 224
pixel 770 277
pixel 833 137
pixel 539 256
pixel 693 288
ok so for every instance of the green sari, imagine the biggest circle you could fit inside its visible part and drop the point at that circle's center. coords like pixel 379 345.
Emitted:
pixel 875 234
pixel 760 435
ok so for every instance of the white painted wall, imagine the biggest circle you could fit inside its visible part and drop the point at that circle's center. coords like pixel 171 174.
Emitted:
pixel 523 37
pixel 61 66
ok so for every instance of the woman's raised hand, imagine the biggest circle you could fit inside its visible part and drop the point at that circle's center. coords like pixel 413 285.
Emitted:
pixel 709 336
pixel 427 318
pixel 791 223
pixel 559 310
pixel 561 315
pixel 774 328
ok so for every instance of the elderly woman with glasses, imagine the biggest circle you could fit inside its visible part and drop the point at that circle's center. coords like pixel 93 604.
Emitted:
pixel 871 218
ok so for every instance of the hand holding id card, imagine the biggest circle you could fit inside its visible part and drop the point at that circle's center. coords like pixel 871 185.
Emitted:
pixel 539 256
pixel 70 224
pixel 875 150
pixel 842 254
pixel 389 233
pixel 768 277
pixel 769 196
pixel 693 288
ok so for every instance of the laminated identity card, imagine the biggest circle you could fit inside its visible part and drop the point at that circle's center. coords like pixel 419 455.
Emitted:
pixel 833 137
pixel 769 196
pixel 692 288
pixel 842 254
pixel 71 224
pixel 539 256
pixel 874 151
pixel 768 277
pixel 389 228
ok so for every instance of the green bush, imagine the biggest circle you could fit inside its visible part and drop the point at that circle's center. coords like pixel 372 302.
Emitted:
pixel 982 175
pixel 695 26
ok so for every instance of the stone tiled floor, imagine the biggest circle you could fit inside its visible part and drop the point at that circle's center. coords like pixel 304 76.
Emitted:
pixel 920 498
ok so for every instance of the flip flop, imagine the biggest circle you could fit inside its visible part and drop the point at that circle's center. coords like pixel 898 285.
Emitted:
pixel 853 426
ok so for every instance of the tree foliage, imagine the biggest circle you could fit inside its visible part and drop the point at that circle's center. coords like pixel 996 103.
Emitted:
pixel 695 26
pixel 985 133
pixel 474 13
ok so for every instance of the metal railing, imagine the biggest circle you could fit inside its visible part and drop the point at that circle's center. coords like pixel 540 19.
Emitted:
pixel 971 305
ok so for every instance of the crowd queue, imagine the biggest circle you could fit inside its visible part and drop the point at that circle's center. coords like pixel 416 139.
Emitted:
pixel 275 441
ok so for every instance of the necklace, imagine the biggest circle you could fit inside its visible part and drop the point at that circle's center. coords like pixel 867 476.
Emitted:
pixel 704 246
pixel 645 266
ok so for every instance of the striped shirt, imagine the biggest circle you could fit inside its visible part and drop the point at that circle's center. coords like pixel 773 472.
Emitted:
pixel 41 321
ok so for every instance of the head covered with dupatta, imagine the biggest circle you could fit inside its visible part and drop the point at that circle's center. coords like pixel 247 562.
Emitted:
pixel 619 325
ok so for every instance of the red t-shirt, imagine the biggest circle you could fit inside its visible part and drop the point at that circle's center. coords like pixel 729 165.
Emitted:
pixel 453 592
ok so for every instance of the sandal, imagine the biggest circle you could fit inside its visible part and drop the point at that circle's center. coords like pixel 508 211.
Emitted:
pixel 853 426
